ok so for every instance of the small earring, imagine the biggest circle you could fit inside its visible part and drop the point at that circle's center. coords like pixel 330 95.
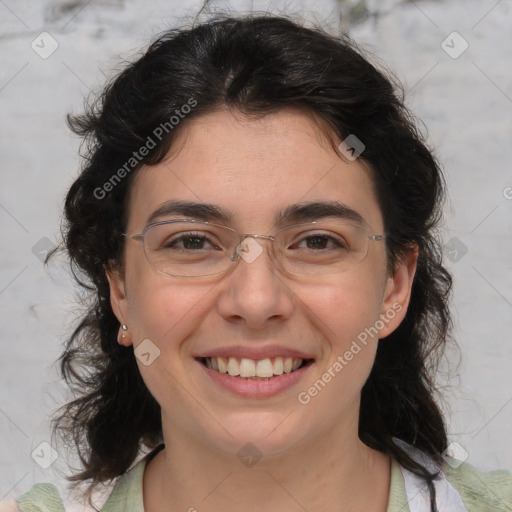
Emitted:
pixel 122 331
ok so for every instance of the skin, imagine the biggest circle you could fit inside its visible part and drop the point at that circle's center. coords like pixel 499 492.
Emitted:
pixel 312 457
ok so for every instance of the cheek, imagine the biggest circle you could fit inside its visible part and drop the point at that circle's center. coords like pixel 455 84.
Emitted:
pixel 156 303
pixel 332 395
pixel 163 310
pixel 346 315
pixel 166 314
pixel 345 308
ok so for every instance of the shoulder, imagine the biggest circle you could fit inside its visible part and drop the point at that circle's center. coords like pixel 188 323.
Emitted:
pixel 126 496
pixel 41 498
pixel 127 493
pixel 480 491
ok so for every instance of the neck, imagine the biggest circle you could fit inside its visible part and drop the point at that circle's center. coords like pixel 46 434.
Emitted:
pixel 331 474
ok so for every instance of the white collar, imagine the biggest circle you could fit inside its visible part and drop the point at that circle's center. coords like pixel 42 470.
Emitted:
pixel 418 496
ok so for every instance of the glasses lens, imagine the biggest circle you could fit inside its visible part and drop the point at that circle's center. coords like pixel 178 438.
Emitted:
pixel 189 249
pixel 321 248
pixel 196 249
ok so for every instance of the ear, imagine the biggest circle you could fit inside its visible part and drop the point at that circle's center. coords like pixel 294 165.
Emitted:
pixel 119 302
pixel 397 293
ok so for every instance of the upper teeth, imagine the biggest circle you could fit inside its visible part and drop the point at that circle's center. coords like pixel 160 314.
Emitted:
pixel 252 368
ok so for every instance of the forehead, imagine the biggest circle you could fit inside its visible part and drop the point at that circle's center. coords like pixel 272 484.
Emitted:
pixel 253 169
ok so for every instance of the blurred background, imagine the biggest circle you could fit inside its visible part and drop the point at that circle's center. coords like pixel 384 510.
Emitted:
pixel 453 58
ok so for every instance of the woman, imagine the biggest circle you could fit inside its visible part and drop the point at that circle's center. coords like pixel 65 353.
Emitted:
pixel 256 224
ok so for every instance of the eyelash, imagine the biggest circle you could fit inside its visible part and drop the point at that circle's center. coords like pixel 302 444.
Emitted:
pixel 202 237
pixel 184 236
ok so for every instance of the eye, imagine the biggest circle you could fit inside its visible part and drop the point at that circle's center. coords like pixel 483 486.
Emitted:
pixel 191 241
pixel 320 242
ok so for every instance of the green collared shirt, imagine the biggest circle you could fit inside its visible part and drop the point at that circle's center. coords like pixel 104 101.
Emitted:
pixel 480 491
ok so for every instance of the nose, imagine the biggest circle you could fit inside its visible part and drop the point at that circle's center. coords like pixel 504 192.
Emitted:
pixel 254 292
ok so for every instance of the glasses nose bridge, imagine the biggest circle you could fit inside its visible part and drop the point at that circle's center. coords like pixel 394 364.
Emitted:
pixel 243 236
pixel 241 249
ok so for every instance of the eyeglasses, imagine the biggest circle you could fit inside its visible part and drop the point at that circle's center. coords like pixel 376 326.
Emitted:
pixel 191 248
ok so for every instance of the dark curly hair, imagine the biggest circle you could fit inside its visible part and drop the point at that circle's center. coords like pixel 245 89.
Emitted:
pixel 256 65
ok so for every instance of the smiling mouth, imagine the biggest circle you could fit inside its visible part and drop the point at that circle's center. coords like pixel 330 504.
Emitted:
pixel 251 369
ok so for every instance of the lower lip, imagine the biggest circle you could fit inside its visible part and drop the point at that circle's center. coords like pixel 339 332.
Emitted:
pixel 256 388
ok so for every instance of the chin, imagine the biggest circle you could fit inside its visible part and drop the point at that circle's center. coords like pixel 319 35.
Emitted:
pixel 258 434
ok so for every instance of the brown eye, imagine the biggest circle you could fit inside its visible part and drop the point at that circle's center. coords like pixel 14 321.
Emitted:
pixel 320 242
pixel 317 242
pixel 186 242
pixel 189 241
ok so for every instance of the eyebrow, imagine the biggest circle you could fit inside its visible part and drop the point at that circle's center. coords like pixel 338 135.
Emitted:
pixel 200 211
pixel 306 212
pixel 295 213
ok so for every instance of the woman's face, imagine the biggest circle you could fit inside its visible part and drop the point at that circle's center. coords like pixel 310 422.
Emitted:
pixel 252 170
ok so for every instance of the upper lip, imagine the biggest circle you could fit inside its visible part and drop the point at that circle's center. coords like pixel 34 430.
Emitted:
pixel 256 353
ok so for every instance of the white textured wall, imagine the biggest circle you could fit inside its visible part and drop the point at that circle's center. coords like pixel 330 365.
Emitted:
pixel 466 103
